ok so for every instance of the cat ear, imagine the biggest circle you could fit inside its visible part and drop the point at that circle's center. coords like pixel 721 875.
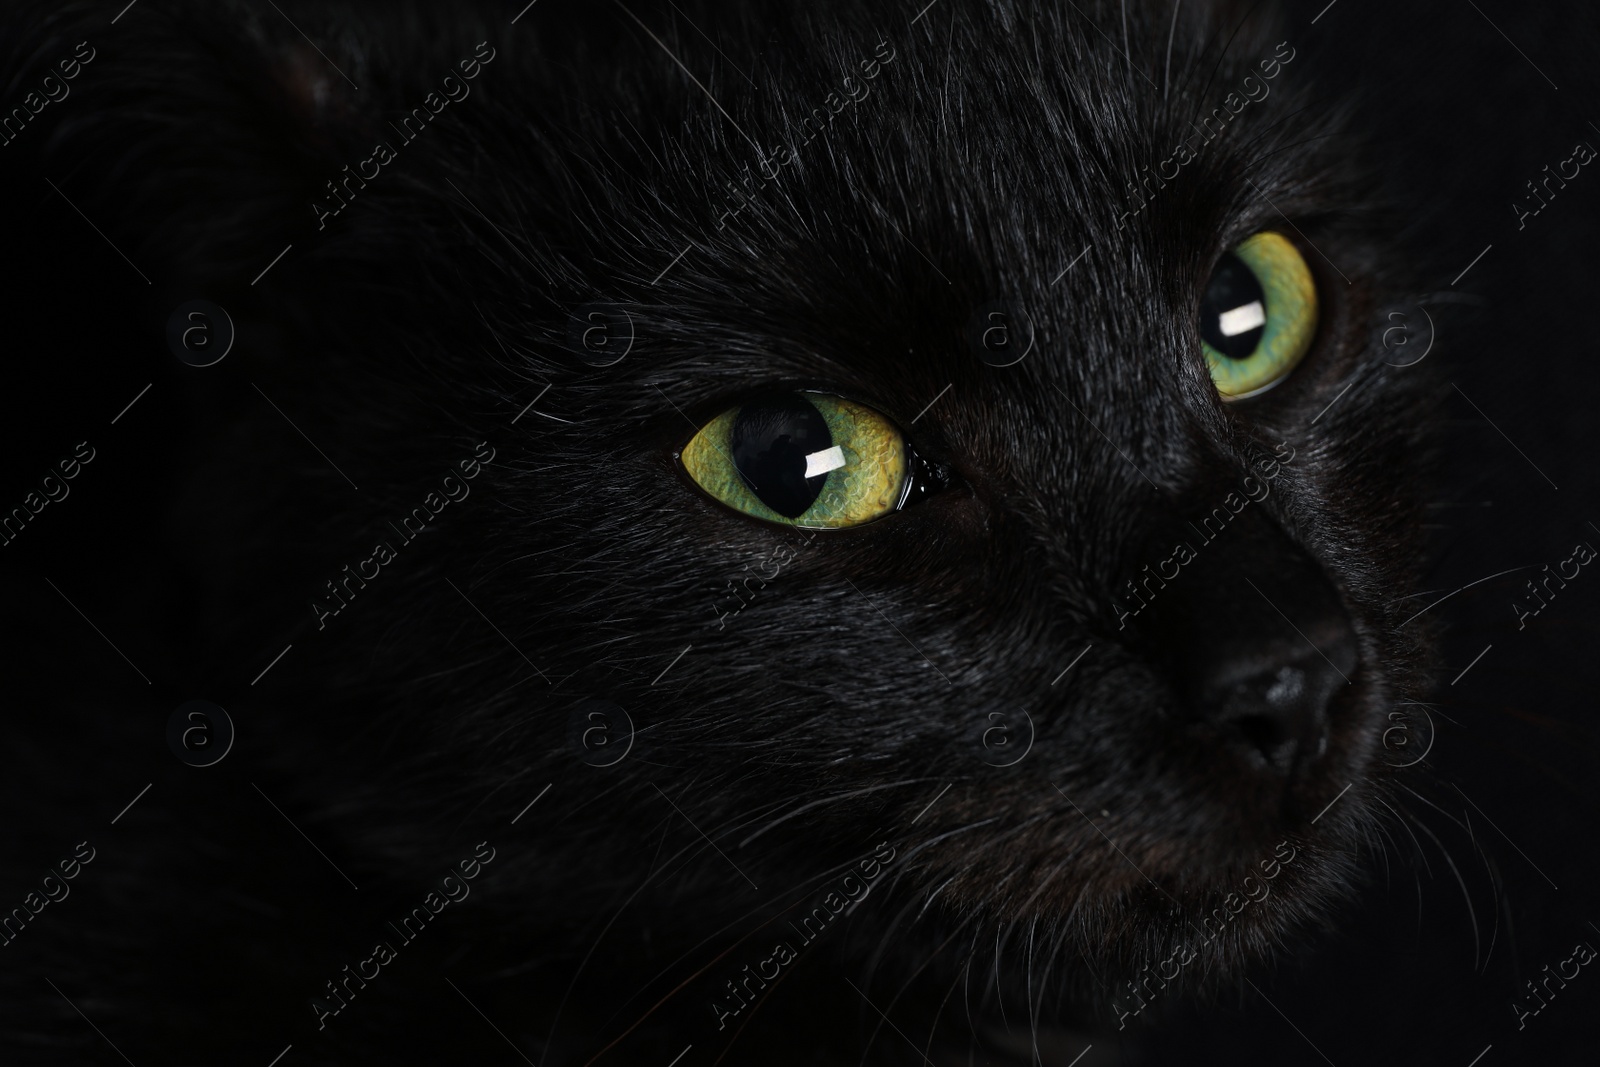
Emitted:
pixel 194 138
pixel 318 95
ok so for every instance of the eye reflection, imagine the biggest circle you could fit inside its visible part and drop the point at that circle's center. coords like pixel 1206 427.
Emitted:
pixel 802 459
pixel 1258 315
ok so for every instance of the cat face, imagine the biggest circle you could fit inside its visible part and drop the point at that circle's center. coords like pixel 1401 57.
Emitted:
pixel 1126 647
pixel 1051 493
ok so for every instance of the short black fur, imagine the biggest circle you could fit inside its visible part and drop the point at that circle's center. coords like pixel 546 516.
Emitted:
pixel 424 319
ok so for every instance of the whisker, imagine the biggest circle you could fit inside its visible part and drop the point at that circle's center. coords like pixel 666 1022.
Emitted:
pixel 832 800
pixel 806 888
pixel 1472 914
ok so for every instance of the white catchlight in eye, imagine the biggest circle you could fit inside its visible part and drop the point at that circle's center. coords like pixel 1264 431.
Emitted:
pixel 829 459
pixel 1242 319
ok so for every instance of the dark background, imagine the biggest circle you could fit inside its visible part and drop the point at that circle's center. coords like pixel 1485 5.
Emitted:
pixel 1421 970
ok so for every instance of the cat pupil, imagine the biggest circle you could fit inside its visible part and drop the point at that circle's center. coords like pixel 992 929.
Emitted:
pixel 1233 314
pixel 775 443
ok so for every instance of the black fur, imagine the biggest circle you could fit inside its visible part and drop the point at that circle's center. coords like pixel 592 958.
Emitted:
pixel 774 751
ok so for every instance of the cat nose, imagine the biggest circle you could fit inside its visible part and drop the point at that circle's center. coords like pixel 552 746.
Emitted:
pixel 1271 706
pixel 1255 640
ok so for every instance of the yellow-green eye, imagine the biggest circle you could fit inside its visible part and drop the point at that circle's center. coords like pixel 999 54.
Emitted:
pixel 802 459
pixel 1258 316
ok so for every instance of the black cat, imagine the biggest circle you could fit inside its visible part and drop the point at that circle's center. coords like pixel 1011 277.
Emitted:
pixel 752 533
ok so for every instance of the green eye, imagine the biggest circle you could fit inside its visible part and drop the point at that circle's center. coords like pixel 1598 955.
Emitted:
pixel 802 459
pixel 1258 316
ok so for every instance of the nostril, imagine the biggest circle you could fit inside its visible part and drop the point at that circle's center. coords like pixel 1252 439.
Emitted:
pixel 1267 736
pixel 1259 671
pixel 1277 716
